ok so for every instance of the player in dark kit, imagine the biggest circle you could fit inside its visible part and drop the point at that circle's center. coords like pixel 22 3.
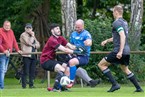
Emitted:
pixel 121 51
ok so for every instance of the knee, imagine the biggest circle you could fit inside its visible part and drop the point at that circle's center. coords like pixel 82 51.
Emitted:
pixel 58 68
pixel 126 71
pixel 73 62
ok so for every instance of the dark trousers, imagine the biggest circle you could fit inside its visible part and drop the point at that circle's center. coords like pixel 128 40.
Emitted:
pixel 28 71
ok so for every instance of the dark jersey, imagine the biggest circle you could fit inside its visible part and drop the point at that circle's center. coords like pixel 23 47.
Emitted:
pixel 49 50
pixel 118 26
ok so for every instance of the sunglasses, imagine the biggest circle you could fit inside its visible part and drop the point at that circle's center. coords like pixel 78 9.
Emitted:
pixel 28 27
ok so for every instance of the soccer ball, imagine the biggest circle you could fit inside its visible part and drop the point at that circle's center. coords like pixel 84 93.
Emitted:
pixel 64 81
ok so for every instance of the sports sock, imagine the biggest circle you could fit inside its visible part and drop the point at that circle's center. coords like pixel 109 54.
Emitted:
pixel 57 80
pixel 132 78
pixel 72 72
pixel 82 73
pixel 108 74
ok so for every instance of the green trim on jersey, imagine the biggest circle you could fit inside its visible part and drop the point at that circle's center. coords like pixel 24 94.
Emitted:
pixel 119 29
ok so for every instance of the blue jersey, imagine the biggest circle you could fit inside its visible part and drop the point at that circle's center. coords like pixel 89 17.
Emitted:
pixel 78 39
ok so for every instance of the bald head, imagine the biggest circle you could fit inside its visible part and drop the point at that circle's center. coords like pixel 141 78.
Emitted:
pixel 79 25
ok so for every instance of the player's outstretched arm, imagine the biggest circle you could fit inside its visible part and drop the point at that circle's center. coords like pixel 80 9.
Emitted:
pixel 103 43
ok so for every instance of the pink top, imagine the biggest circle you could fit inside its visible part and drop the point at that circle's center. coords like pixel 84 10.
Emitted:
pixel 7 40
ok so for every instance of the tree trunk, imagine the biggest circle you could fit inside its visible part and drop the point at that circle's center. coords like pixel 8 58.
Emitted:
pixel 136 23
pixel 94 8
pixel 68 10
pixel 40 19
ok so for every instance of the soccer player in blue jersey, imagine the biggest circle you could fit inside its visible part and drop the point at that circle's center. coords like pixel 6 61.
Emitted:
pixel 121 51
pixel 80 38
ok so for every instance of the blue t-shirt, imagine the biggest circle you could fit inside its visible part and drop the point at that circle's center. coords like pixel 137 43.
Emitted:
pixel 78 39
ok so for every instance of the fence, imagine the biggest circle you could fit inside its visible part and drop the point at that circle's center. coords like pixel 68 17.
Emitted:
pixel 92 52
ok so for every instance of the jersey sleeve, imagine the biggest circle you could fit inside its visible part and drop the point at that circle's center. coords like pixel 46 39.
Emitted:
pixel 53 43
pixel 88 36
pixel 118 26
pixel 64 41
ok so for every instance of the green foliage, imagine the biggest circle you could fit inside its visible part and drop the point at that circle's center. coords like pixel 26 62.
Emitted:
pixel 17 11
pixel 137 65
pixel 100 30
pixel 55 12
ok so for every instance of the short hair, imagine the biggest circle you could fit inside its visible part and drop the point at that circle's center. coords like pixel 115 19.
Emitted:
pixel 119 9
pixel 7 21
pixel 53 25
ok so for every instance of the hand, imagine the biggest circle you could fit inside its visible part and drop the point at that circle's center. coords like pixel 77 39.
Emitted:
pixel 88 42
pixel 103 43
pixel 20 52
pixel 119 55
pixel 32 33
pixel 7 53
pixel 33 45
pixel 80 50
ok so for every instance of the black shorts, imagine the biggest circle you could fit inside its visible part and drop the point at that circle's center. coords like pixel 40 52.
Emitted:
pixel 111 58
pixel 50 65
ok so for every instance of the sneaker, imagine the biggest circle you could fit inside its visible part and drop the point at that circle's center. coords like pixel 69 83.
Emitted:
pixel 93 83
pixel 114 88
pixel 70 85
pixel 64 89
pixel 52 89
pixel 49 89
pixel 139 90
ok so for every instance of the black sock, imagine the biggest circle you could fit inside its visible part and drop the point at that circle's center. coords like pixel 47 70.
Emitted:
pixel 132 78
pixel 57 80
pixel 108 74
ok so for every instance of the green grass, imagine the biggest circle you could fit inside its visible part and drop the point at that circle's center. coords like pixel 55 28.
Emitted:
pixel 13 89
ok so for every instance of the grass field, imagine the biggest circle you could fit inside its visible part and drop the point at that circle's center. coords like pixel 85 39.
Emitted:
pixel 13 89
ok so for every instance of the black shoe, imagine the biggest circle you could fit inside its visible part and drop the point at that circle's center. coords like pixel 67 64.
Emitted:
pixel 93 83
pixel 139 90
pixel 32 87
pixel 114 88
pixel 64 89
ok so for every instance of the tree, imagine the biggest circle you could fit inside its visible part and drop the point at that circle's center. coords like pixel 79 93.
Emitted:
pixel 68 10
pixel 40 22
pixel 136 23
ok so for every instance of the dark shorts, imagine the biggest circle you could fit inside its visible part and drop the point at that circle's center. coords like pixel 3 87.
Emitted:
pixel 50 65
pixel 83 60
pixel 111 58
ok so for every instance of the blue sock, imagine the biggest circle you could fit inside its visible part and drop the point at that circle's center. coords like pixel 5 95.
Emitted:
pixel 73 72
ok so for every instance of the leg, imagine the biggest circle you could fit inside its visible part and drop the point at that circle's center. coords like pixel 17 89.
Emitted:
pixel 32 73
pixel 52 65
pixel 79 61
pixel 131 77
pixel 103 65
pixel 73 62
pixel 3 68
pixel 25 73
pixel 82 73
pixel 67 69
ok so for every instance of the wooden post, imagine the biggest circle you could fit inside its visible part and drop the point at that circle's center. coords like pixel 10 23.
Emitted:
pixel 48 78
